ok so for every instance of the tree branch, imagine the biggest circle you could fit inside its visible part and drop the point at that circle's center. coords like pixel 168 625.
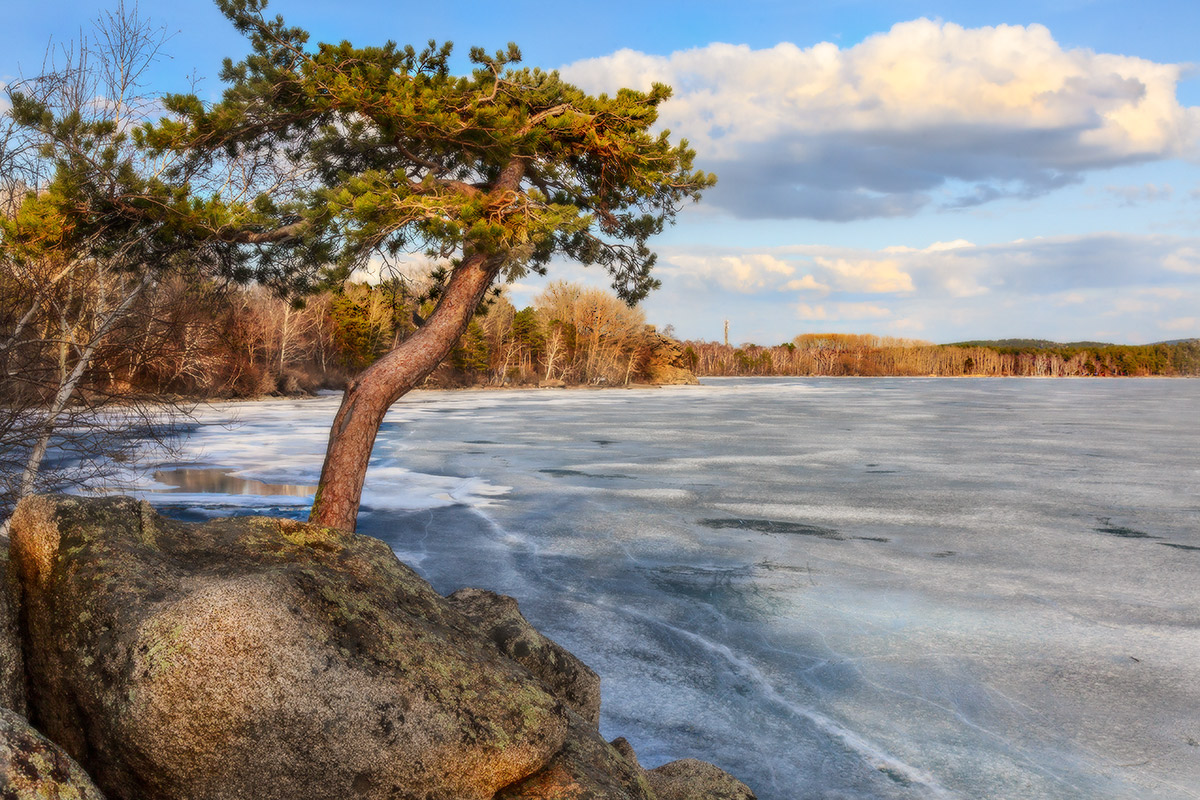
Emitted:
pixel 280 234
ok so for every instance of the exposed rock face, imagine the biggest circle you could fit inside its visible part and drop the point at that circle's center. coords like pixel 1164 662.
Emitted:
pixel 261 658
pixel 665 364
pixel 267 658
pixel 564 675
pixel 587 768
pixel 31 766
pixel 12 666
pixel 689 779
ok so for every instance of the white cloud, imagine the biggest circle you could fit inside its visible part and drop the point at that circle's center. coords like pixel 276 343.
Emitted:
pixel 1100 287
pixel 810 312
pixel 1130 305
pixel 1191 324
pixel 745 273
pixel 408 266
pixel 876 276
pixel 841 311
pixel 1065 268
pixel 807 284
pixel 941 247
pixel 871 130
pixel 1165 293
pixel 1185 259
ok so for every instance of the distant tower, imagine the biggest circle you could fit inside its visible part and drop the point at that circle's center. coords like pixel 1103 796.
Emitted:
pixel 727 333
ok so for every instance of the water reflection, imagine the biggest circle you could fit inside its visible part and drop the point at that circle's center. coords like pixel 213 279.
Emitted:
pixel 217 480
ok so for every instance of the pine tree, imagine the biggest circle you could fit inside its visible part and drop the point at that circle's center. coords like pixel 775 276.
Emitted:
pixel 346 154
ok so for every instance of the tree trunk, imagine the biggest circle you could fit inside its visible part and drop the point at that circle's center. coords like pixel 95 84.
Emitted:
pixel 368 397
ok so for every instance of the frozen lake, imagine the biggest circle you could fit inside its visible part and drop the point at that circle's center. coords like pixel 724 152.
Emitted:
pixel 832 588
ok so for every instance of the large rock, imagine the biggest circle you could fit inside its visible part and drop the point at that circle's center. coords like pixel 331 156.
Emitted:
pixel 31 766
pixel 664 360
pixel 565 676
pixel 12 667
pixel 687 778
pixel 587 768
pixel 261 658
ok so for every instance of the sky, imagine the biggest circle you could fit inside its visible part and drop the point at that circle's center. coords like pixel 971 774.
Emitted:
pixel 943 170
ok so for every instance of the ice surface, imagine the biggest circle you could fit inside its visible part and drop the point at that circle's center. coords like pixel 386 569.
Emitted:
pixel 833 588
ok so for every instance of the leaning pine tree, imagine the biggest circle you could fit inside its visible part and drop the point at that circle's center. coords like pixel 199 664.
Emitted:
pixel 355 154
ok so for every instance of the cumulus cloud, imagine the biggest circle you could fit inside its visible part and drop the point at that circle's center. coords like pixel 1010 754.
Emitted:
pixel 872 275
pixel 893 124
pixel 407 266
pixel 1185 259
pixel 747 273
pixel 1102 287
pixel 807 284
pixel 841 311
pixel 825 270
pixel 1064 265
pixel 1069 267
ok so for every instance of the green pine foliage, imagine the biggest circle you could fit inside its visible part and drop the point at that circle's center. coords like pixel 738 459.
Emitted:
pixel 471 353
pixel 381 150
pixel 527 331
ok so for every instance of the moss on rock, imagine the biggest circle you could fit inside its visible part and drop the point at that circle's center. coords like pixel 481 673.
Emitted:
pixel 262 658
pixel 500 621
pixel 690 779
pixel 587 768
pixel 34 768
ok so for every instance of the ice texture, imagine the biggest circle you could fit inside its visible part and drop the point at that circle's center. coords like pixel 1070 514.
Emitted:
pixel 832 588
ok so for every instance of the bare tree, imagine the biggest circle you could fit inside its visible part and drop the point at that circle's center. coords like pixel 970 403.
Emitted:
pixel 601 334
pixel 68 294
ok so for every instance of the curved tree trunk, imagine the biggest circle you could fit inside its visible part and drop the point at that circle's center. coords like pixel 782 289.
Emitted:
pixel 368 397
pixel 371 394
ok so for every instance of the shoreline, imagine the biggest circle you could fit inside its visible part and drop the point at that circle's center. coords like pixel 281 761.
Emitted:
pixel 579 387
pixel 319 393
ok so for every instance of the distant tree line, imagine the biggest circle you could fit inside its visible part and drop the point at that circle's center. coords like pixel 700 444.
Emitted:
pixel 190 339
pixel 856 354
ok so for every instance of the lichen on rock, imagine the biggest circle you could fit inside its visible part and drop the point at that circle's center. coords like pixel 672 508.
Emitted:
pixel 500 621
pixel 262 658
pixel 31 766
pixel 587 768
pixel 273 659
pixel 691 779
pixel 687 778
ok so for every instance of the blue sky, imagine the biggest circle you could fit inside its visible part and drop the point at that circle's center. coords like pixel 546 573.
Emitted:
pixel 934 170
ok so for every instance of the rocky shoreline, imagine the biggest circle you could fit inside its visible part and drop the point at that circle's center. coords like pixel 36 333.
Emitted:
pixel 149 659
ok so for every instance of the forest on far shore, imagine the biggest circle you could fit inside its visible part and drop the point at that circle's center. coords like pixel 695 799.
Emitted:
pixel 200 340
pixel 859 354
